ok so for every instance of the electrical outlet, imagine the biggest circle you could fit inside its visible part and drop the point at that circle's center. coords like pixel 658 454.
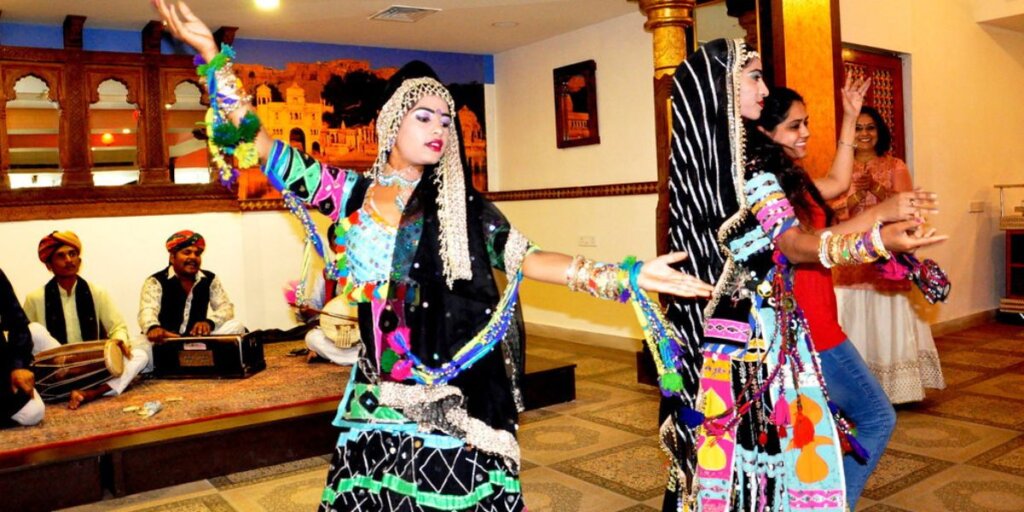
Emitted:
pixel 976 207
pixel 587 241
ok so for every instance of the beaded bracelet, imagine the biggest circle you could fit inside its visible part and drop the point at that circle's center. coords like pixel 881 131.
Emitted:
pixel 601 280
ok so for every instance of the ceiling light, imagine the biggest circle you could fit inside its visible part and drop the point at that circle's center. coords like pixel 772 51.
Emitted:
pixel 505 24
pixel 267 5
pixel 126 131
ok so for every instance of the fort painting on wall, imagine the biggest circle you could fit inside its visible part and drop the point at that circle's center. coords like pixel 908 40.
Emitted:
pixel 576 105
pixel 328 109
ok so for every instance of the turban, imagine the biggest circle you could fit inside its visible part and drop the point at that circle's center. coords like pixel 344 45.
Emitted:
pixel 183 239
pixel 50 243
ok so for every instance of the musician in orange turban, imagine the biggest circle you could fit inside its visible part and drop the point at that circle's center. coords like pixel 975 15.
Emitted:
pixel 68 310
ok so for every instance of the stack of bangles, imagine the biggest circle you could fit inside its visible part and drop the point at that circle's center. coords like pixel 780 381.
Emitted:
pixel 602 280
pixel 852 248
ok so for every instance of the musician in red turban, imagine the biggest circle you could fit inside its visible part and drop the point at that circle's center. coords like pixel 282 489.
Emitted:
pixel 184 299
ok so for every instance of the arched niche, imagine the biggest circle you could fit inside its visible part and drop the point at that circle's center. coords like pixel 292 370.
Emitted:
pixel 113 133
pixel 32 133
pixel 185 136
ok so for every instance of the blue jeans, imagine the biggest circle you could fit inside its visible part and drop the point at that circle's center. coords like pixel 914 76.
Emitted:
pixel 856 391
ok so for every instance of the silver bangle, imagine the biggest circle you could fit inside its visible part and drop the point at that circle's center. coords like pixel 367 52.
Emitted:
pixel 823 256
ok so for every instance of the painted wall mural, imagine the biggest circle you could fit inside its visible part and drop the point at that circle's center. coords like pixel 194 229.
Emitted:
pixel 328 109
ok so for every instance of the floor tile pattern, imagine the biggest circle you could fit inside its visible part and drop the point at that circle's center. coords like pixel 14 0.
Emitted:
pixel 960 449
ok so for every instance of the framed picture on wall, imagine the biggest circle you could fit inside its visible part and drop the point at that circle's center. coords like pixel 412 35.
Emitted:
pixel 576 105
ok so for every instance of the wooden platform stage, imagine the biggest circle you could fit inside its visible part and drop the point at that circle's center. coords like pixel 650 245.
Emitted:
pixel 69 474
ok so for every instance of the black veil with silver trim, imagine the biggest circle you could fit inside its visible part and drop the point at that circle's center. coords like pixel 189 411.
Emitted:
pixel 706 151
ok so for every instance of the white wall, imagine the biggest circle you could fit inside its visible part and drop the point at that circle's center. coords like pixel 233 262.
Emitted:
pixel 527 158
pixel 967 121
pixel 254 254
pixel 525 109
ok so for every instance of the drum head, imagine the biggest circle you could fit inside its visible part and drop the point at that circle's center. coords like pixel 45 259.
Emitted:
pixel 114 358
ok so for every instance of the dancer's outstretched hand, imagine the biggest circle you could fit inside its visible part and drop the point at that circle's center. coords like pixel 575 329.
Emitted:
pixel 909 236
pixel 658 276
pixel 907 205
pixel 186 26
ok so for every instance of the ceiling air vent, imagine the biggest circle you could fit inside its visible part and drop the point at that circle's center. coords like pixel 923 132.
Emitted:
pixel 404 13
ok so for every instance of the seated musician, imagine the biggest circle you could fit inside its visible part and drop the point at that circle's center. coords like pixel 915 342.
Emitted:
pixel 20 403
pixel 319 343
pixel 184 300
pixel 70 310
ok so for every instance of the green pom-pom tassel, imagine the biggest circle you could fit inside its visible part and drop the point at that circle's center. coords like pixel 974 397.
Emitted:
pixel 388 360
pixel 672 382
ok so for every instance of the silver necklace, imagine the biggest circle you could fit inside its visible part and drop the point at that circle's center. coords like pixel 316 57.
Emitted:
pixel 396 179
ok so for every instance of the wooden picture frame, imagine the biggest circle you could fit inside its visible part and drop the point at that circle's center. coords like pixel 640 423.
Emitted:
pixel 575 91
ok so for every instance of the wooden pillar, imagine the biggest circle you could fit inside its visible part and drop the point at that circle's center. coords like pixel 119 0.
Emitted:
pixel 667 21
pixel 75 160
pixel 152 147
pixel 5 150
pixel 807 57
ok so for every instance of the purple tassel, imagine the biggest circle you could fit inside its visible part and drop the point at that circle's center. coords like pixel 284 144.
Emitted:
pixel 834 408
pixel 859 452
pixel 691 417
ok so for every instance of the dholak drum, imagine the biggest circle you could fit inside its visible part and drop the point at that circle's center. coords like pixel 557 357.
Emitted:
pixel 61 370
pixel 339 323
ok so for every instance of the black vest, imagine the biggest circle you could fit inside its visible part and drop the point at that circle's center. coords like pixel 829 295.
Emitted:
pixel 172 301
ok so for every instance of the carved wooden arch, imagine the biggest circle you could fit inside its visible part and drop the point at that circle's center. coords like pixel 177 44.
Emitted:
pixel 173 77
pixel 50 75
pixel 131 79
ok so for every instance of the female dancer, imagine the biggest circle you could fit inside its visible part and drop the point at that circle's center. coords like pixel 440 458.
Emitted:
pixel 752 427
pixel 429 417
pixel 895 341
pixel 851 385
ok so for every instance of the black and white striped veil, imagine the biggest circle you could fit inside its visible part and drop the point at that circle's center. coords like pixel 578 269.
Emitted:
pixel 706 144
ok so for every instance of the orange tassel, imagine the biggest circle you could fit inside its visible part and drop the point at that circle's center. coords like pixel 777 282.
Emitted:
pixel 803 430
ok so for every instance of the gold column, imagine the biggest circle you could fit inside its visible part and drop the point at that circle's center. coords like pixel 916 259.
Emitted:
pixel 667 21
pixel 808 59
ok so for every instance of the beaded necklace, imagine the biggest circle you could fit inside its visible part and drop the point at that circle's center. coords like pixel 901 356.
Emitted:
pixel 396 179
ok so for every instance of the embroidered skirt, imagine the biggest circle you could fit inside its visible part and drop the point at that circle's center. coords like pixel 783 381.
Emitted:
pixel 411 448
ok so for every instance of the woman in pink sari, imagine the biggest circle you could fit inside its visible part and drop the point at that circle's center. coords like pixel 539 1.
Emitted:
pixel 877 313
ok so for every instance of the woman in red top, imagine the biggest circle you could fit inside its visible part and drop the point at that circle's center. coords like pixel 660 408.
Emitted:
pixel 851 384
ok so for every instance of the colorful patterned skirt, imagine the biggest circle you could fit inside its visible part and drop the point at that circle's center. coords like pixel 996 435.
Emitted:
pixel 413 448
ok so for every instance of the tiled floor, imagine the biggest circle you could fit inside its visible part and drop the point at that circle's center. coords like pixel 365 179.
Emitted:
pixel 962 449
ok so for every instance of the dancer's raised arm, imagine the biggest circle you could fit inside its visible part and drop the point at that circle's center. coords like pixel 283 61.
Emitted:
pixel 191 30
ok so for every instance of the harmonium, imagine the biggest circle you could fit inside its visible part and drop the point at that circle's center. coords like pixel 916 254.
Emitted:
pixel 208 357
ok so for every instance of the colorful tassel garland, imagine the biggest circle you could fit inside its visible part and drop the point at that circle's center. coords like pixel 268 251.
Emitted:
pixel 672 382
pixel 858 450
pixel 691 417
pixel 388 360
